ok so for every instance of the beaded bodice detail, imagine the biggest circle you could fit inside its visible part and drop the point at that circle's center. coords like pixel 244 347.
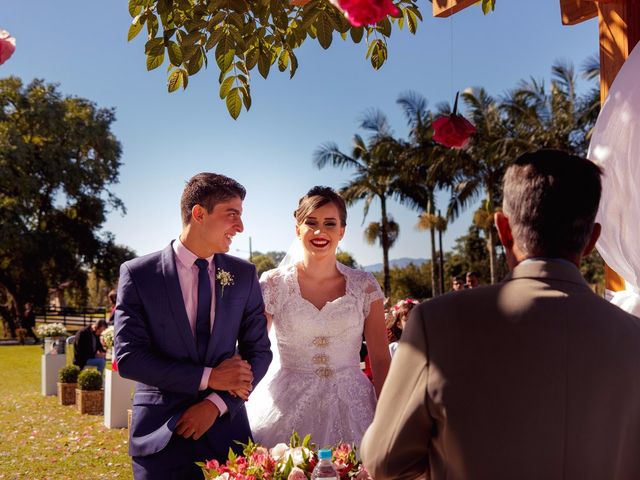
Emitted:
pixel 319 340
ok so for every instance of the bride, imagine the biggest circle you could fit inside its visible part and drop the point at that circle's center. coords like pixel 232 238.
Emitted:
pixel 320 310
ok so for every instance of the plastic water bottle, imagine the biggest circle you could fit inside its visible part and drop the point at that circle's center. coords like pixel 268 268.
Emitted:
pixel 324 469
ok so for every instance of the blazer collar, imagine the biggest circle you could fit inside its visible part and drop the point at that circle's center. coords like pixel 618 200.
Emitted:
pixel 176 301
pixel 548 269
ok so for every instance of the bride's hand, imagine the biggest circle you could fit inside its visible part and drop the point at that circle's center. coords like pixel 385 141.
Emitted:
pixel 232 374
pixel 243 394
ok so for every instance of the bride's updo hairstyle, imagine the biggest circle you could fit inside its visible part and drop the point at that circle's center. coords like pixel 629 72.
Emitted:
pixel 319 197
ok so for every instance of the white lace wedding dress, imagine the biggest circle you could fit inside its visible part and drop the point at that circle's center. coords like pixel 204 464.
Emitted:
pixel 318 387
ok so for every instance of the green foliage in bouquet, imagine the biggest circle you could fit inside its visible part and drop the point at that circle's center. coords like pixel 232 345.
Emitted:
pixel 69 374
pixel 90 380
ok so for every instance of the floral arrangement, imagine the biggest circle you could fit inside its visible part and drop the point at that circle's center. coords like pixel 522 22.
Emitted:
pixel 52 330
pixel 453 131
pixel 107 337
pixel 293 461
pixel 225 278
pixel 7 46
pixel 366 12
pixel 394 310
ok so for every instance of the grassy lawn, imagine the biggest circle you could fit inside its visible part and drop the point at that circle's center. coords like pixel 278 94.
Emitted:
pixel 40 439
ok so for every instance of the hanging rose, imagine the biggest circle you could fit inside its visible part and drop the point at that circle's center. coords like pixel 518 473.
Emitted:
pixel 453 131
pixel 365 12
pixel 7 46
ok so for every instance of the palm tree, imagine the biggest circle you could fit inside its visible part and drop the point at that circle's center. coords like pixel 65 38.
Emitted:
pixel 481 166
pixel 375 175
pixel 434 223
pixel 373 232
pixel 557 117
pixel 424 170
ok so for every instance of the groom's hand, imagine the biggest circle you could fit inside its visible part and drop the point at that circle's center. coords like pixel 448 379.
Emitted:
pixel 197 419
pixel 233 374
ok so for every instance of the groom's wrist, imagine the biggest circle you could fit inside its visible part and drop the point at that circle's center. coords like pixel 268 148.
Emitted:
pixel 218 402
pixel 204 381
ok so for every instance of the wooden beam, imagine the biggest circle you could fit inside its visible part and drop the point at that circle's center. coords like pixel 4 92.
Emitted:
pixel 577 11
pixel 619 33
pixel 619 25
pixel 446 8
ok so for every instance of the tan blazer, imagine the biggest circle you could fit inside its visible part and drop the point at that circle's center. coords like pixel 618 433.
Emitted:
pixel 534 378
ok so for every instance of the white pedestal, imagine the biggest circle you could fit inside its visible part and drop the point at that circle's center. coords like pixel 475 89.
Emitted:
pixel 117 399
pixel 50 366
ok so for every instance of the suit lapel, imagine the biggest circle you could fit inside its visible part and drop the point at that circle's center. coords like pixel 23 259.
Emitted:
pixel 176 301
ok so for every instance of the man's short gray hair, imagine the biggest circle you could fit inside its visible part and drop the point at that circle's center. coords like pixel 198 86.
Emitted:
pixel 551 199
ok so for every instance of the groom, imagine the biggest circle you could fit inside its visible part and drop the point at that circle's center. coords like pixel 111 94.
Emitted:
pixel 190 329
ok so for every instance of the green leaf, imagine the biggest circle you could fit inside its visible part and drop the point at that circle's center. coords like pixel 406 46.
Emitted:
pixel 378 54
pixel 134 10
pixel 175 54
pixel 283 61
pixel 134 30
pixel 251 57
pixel 324 30
pixel 488 6
pixel 264 63
pixel 356 34
pixel 154 47
pixel 152 26
pixel 384 27
pixel 225 52
pixel 154 61
pixel 185 78
pixel 240 65
pixel 294 65
pixel 412 20
pixel 226 85
pixel 214 38
pixel 234 103
pixel 195 63
pixel 164 6
pixel 175 81
pixel 246 98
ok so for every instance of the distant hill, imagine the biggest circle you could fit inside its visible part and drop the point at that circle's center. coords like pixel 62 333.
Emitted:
pixel 399 262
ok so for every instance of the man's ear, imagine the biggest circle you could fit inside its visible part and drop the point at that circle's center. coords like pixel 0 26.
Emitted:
pixel 504 230
pixel 197 213
pixel 595 234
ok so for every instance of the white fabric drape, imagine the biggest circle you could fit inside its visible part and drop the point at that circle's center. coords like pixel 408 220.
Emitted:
pixel 615 146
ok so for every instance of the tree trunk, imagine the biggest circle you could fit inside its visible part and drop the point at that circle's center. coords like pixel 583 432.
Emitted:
pixel 434 285
pixel 441 263
pixel 492 256
pixel 384 239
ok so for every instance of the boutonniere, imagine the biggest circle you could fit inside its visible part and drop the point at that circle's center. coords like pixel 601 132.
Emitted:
pixel 225 279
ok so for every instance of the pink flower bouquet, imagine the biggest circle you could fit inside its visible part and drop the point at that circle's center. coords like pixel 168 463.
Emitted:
pixel 293 461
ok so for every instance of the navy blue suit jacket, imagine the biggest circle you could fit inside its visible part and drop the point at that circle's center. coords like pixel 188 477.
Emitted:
pixel 155 346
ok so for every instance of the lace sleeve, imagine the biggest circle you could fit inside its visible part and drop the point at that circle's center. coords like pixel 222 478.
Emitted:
pixel 269 286
pixel 372 292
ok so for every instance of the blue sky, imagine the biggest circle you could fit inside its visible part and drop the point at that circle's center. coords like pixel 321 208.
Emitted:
pixel 166 138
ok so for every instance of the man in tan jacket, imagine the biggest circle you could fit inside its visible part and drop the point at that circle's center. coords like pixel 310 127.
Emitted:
pixel 534 378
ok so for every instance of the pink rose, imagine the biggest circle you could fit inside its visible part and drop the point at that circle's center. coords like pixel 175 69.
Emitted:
pixel 212 465
pixel 366 12
pixel 297 474
pixel 453 131
pixel 7 46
